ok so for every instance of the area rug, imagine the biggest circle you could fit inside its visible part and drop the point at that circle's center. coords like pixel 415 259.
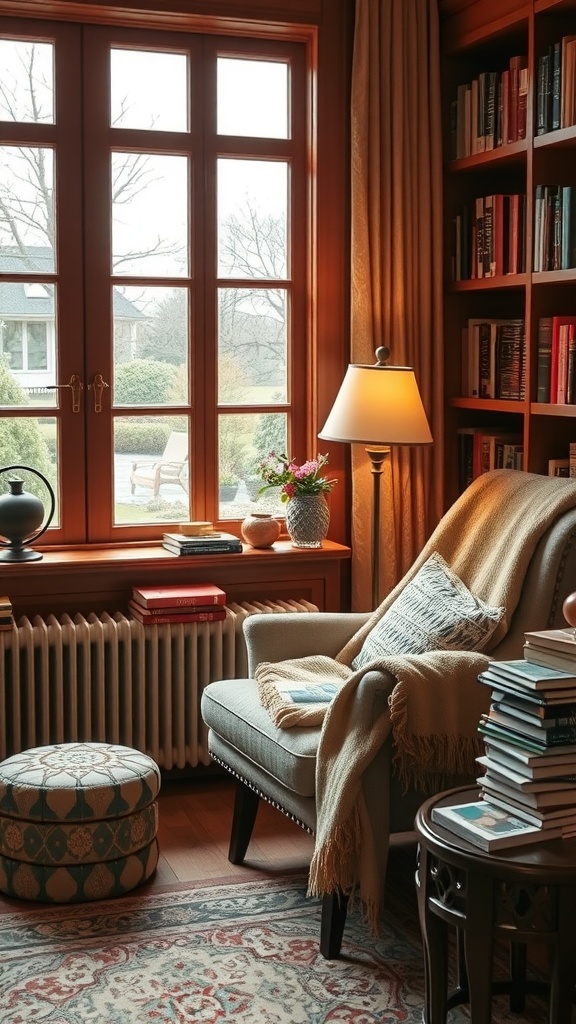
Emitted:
pixel 243 952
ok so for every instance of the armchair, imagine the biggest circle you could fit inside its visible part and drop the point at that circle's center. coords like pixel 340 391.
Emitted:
pixel 511 539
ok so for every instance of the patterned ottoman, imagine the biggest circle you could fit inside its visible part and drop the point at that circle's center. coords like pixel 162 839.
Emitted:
pixel 78 822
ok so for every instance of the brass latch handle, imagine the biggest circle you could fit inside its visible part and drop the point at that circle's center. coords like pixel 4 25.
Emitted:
pixel 76 386
pixel 97 386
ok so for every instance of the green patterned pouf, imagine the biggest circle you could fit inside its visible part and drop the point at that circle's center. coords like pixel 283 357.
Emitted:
pixel 78 821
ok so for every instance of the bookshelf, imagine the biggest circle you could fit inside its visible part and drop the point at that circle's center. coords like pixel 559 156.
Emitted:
pixel 500 146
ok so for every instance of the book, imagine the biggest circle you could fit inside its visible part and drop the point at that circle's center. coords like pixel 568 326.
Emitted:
pixel 532 766
pixel 545 658
pixel 544 359
pixel 178 596
pixel 534 706
pixel 512 776
pixel 489 827
pixel 550 736
pixel 226 547
pixel 564 817
pixel 488 727
pixel 533 675
pixel 211 615
pixel 199 540
pixel 151 614
pixel 553 800
pixel 556 639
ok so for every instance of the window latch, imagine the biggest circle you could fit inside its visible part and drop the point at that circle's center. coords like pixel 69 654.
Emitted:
pixel 76 386
pixel 97 386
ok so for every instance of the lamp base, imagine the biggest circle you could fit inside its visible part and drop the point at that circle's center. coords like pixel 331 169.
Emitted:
pixel 20 555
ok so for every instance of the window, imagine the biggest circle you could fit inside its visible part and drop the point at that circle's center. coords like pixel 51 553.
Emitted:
pixel 154 270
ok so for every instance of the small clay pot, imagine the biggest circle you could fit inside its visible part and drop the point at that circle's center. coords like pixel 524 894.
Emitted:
pixel 260 530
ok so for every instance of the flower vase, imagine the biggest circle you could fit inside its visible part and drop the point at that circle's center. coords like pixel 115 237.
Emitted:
pixel 307 520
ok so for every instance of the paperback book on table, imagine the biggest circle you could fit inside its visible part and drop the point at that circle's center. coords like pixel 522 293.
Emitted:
pixel 225 544
pixel 490 828
pixel 178 596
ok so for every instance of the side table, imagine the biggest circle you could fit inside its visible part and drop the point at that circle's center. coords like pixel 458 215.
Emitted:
pixel 523 894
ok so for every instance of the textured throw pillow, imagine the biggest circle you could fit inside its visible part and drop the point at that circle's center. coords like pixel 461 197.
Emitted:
pixel 434 612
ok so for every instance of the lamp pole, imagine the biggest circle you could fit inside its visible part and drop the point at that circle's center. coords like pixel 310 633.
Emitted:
pixel 377 454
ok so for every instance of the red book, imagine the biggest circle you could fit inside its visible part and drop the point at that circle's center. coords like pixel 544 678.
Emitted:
pixel 206 615
pixel 153 613
pixel 557 322
pixel 194 594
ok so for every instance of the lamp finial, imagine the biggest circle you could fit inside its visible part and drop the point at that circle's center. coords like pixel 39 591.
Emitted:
pixel 382 354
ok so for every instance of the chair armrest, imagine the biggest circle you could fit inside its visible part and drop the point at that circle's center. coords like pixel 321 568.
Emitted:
pixel 283 636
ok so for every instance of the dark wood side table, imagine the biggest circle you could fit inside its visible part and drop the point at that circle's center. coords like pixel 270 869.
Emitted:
pixel 524 894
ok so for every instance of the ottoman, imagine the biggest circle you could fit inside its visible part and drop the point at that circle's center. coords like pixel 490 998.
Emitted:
pixel 78 822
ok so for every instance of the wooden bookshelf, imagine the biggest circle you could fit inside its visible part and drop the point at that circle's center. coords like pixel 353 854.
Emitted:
pixel 478 38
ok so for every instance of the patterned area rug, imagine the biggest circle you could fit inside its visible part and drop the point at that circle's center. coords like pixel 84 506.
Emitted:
pixel 222 952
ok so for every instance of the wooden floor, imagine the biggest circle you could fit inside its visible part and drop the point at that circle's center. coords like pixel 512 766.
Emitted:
pixel 194 833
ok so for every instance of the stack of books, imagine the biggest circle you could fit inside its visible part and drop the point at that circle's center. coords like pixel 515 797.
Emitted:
pixel 6 616
pixel 196 602
pixel 214 543
pixel 528 785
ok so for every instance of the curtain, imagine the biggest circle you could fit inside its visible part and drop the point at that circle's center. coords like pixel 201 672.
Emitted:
pixel 396 248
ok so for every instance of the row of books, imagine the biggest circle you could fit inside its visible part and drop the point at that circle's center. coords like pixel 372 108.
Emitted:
pixel 213 543
pixel 481 449
pixel 489 237
pixel 195 602
pixel 493 358
pixel 554 227
pixel 490 111
pixel 555 86
pixel 6 616
pixel 556 360
pixel 528 780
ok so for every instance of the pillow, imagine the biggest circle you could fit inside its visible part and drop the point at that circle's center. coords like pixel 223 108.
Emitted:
pixel 434 612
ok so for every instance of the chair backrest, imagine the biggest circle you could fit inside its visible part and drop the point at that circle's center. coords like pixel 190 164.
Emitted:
pixel 176 449
pixel 550 578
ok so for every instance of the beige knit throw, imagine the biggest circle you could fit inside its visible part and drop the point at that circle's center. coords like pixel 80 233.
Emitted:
pixel 488 538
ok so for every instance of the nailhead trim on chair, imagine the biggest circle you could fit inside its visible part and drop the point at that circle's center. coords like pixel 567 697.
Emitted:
pixel 273 803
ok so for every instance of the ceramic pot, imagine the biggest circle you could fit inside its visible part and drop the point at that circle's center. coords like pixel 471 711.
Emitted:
pixel 307 520
pixel 260 530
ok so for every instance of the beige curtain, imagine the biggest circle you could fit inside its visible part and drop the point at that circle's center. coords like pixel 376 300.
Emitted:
pixel 397 266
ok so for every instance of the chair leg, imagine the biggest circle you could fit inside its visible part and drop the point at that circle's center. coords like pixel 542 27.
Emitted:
pixel 333 919
pixel 245 808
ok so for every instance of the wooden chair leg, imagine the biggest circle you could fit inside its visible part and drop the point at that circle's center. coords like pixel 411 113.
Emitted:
pixel 245 808
pixel 333 919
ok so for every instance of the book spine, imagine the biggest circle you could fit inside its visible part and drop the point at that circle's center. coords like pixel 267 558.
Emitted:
pixel 544 359
pixel 205 549
pixel 185 601
pixel 162 620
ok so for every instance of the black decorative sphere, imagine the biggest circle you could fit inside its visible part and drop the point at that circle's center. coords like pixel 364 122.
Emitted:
pixel 21 516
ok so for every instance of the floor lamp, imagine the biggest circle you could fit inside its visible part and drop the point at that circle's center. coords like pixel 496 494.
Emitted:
pixel 378 406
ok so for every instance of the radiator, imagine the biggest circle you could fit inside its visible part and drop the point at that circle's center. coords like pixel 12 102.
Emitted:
pixel 106 677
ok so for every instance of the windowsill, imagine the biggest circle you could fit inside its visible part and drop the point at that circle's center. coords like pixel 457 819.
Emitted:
pixel 100 578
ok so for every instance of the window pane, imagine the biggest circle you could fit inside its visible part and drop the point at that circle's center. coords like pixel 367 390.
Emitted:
pixel 252 217
pixel 27 204
pixel 149 215
pixel 151 470
pixel 252 98
pixel 150 346
pixel 252 346
pixel 26 81
pixel 244 441
pixel 31 442
pixel 27 344
pixel 148 90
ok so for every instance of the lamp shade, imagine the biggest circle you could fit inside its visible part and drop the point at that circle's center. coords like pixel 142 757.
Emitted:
pixel 378 405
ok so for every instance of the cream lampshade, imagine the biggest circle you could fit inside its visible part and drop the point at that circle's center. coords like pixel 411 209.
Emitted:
pixel 378 406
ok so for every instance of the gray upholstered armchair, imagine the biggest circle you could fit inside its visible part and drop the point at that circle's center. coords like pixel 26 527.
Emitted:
pixel 280 764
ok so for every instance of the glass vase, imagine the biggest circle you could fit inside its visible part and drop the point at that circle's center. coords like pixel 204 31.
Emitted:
pixel 307 520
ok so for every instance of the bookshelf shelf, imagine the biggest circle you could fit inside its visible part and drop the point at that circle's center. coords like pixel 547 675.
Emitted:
pixel 502 103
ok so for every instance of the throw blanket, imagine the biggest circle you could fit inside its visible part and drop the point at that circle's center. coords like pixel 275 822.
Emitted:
pixel 488 538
